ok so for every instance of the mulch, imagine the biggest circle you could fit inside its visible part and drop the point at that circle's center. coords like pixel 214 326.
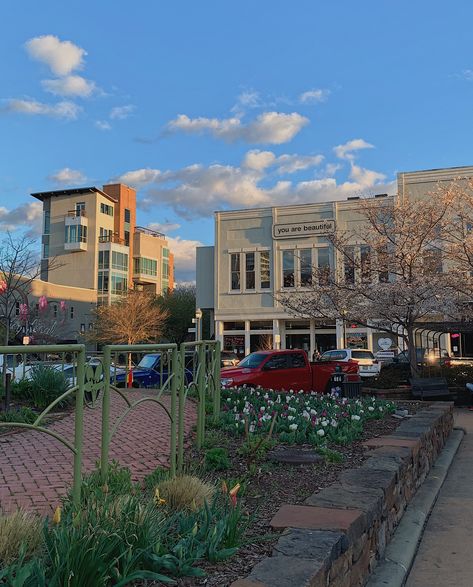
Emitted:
pixel 276 484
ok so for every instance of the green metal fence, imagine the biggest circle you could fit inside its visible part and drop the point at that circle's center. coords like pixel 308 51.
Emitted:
pixel 193 369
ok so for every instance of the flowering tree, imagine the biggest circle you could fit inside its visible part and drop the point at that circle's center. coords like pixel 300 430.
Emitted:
pixel 390 272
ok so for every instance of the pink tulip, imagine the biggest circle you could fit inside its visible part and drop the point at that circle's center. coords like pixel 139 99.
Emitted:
pixel 24 310
pixel 3 287
pixel 42 303
pixel 62 305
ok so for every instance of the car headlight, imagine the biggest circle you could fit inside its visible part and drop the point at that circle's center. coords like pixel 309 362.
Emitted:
pixel 226 382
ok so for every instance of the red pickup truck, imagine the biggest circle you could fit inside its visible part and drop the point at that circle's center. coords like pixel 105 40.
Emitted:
pixel 286 370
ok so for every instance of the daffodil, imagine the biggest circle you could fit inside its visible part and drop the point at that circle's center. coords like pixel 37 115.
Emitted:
pixel 57 516
pixel 157 498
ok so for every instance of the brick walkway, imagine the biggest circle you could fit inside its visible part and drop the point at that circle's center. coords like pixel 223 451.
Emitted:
pixel 36 469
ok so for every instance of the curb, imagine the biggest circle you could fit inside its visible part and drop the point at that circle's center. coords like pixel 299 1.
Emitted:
pixel 393 569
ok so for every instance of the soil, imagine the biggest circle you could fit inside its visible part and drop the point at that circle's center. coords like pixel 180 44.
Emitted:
pixel 274 484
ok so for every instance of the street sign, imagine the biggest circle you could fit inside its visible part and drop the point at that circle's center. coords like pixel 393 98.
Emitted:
pixel 191 330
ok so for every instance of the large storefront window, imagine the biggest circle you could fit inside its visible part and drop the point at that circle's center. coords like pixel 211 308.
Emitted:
pixel 288 268
pixel 298 341
pixel 234 343
pixel 261 342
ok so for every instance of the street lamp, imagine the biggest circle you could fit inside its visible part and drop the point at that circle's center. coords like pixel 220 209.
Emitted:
pixel 198 324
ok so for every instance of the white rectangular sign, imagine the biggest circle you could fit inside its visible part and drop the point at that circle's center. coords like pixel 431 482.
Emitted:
pixel 298 229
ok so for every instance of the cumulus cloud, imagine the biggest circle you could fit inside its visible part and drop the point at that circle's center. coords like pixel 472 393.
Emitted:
pixel 258 160
pixel 102 125
pixel 122 112
pixel 164 227
pixel 67 110
pixel 71 85
pixel 347 150
pixel 61 57
pixel 67 176
pixel 269 127
pixel 139 177
pixel 293 163
pixel 184 257
pixel 27 216
pixel 314 96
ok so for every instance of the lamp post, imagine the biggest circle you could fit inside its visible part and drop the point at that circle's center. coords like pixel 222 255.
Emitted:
pixel 344 312
pixel 198 324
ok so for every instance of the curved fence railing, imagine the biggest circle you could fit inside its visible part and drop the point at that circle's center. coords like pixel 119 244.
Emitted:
pixel 164 369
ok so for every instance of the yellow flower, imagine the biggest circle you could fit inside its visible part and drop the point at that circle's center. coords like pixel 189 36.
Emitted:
pixel 157 498
pixel 234 490
pixel 57 515
pixel 224 488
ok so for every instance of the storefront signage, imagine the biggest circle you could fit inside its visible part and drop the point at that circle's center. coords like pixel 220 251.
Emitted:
pixel 298 229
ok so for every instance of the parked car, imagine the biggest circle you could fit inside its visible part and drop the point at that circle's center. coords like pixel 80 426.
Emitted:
pixel 229 359
pixel 286 370
pixel 429 357
pixel 367 362
pixel 149 372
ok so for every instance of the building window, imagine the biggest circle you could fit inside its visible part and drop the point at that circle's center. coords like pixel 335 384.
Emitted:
pixel 82 328
pixel 80 208
pixel 119 284
pixel 265 271
pixel 383 261
pixel 45 248
pixel 305 257
pixel 127 215
pixel 250 276
pixel 71 312
pixel 17 308
pixel 55 310
pixel 46 222
pixel 365 263
pixel 145 266
pixel 119 261
pixel 103 282
pixel 235 271
pixel 288 268
pixel 323 265
pixel 349 264
pixel 104 259
pixel 105 235
pixel 127 238
pixel 76 234
pixel 106 209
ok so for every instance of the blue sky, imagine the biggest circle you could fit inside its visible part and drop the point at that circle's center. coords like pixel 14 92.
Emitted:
pixel 218 105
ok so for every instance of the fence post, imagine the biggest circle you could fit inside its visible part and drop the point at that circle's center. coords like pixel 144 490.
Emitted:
pixel 202 395
pixel 107 354
pixel 216 375
pixel 182 400
pixel 174 425
pixel 79 427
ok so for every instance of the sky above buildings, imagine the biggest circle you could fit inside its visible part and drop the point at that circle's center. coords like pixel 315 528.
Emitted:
pixel 209 105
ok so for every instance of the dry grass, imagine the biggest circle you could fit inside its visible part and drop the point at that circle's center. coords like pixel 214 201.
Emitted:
pixel 17 529
pixel 185 492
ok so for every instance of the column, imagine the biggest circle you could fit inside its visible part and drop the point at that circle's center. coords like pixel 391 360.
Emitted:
pixel 219 331
pixel 340 334
pixel 313 341
pixel 247 337
pixel 277 335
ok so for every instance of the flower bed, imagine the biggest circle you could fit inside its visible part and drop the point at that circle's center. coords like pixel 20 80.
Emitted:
pixel 300 418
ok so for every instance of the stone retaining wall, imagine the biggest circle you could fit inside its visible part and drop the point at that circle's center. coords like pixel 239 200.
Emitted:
pixel 336 538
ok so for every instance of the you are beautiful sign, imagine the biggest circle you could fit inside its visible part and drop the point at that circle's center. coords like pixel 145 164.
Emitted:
pixel 298 229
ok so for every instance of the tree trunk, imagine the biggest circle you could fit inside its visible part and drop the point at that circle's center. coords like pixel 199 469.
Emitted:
pixel 412 353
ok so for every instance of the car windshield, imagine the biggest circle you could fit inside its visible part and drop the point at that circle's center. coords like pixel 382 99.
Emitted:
pixel 362 355
pixel 148 361
pixel 252 361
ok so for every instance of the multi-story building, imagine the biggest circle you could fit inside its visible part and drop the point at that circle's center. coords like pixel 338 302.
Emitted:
pixel 261 252
pixel 92 236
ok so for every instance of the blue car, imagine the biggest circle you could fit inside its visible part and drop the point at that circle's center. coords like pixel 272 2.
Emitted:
pixel 148 373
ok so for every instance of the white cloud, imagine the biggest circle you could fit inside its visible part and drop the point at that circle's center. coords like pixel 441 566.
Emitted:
pixel 103 125
pixel 61 57
pixel 314 96
pixel 71 85
pixel 164 227
pixel 293 163
pixel 66 109
pixel 467 74
pixel 68 176
pixel 346 151
pixel 28 215
pixel 184 256
pixel 366 177
pixel 258 160
pixel 269 127
pixel 139 177
pixel 121 112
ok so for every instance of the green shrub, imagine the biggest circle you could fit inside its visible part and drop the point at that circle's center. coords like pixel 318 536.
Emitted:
pixel 46 384
pixel 391 377
pixel 331 456
pixel 23 415
pixel 21 390
pixel 118 483
pixel 216 459
pixel 20 530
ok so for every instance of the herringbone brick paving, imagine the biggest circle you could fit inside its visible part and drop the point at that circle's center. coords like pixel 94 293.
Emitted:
pixel 36 469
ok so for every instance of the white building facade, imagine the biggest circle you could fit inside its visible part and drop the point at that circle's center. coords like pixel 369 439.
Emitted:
pixel 261 252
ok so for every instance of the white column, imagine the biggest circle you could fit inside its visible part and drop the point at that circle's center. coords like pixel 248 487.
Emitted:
pixel 369 339
pixel 219 331
pixel 277 335
pixel 312 339
pixel 247 337
pixel 339 334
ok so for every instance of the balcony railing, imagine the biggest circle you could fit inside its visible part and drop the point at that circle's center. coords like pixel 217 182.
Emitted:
pixel 76 213
pixel 149 232
pixel 111 238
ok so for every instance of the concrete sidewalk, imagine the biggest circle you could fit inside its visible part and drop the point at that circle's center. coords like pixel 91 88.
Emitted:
pixel 445 554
